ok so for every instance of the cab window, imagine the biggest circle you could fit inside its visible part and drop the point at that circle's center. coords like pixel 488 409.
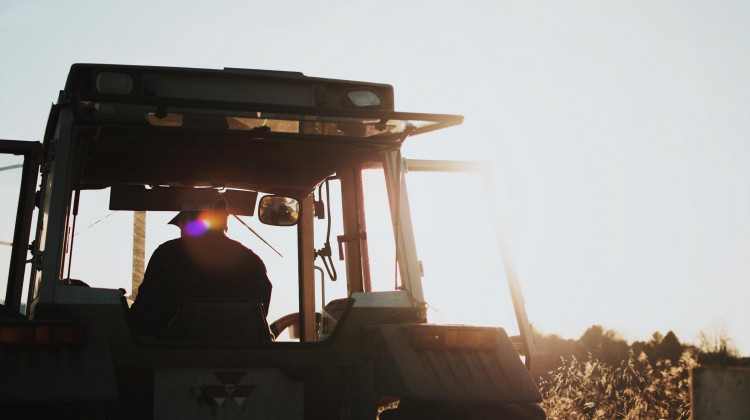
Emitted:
pixel 10 181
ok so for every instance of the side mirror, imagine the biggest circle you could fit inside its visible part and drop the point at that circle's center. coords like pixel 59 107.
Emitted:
pixel 278 211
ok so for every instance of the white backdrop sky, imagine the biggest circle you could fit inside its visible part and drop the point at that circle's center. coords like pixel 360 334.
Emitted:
pixel 619 130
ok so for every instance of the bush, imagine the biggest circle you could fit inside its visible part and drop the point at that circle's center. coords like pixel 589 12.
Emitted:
pixel 635 389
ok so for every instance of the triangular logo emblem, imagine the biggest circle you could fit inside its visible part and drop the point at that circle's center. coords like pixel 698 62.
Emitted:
pixel 241 392
pixel 217 393
pixel 229 388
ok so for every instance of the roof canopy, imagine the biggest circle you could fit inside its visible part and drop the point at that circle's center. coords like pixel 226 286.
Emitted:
pixel 274 132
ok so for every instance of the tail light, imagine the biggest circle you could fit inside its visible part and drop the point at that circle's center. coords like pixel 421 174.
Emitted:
pixel 455 338
pixel 30 333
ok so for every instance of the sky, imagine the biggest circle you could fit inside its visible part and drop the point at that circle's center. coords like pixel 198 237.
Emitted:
pixel 619 131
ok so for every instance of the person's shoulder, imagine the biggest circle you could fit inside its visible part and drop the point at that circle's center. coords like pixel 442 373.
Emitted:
pixel 171 243
pixel 241 248
pixel 237 244
pixel 169 246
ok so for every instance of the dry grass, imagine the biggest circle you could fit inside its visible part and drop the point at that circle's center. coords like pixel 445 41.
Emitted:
pixel 635 389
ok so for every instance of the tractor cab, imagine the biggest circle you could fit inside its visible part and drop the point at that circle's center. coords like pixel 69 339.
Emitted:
pixel 312 177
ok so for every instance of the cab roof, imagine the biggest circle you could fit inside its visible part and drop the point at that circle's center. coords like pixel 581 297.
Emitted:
pixel 270 131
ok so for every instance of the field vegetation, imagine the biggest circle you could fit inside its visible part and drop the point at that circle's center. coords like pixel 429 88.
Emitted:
pixel 601 376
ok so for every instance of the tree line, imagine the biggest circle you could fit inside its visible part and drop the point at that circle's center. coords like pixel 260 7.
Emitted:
pixel 607 346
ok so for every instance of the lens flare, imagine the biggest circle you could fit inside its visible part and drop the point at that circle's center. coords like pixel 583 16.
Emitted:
pixel 197 227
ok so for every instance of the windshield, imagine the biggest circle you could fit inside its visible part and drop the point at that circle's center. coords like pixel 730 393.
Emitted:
pixel 103 243
pixel 104 251
pixel 464 280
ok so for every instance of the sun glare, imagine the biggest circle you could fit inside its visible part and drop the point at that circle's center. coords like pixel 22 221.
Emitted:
pixel 197 227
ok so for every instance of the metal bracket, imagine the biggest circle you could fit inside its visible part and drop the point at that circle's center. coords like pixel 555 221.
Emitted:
pixel 346 238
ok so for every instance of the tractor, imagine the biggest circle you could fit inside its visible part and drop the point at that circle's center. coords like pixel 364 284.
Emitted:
pixel 312 173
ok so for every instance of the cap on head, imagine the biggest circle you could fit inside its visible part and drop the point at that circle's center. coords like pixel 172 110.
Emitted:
pixel 197 217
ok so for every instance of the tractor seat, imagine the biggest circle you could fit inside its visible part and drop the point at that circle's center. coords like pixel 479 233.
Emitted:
pixel 202 320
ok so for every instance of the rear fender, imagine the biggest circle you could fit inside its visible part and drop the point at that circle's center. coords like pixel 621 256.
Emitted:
pixel 402 365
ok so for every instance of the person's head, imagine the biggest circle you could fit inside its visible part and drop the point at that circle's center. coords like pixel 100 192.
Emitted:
pixel 198 218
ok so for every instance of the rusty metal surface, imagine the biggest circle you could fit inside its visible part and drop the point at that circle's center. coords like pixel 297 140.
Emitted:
pixel 720 393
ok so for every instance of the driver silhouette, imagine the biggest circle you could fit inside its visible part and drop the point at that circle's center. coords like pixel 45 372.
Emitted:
pixel 202 263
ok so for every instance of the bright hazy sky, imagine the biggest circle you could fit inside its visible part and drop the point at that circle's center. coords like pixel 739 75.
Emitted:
pixel 619 130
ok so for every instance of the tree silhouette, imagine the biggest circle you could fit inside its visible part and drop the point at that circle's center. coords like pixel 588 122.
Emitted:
pixel 718 349
pixel 604 345
pixel 669 348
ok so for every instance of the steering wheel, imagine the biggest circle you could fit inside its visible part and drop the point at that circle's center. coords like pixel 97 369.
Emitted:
pixel 291 320
pixel 286 321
